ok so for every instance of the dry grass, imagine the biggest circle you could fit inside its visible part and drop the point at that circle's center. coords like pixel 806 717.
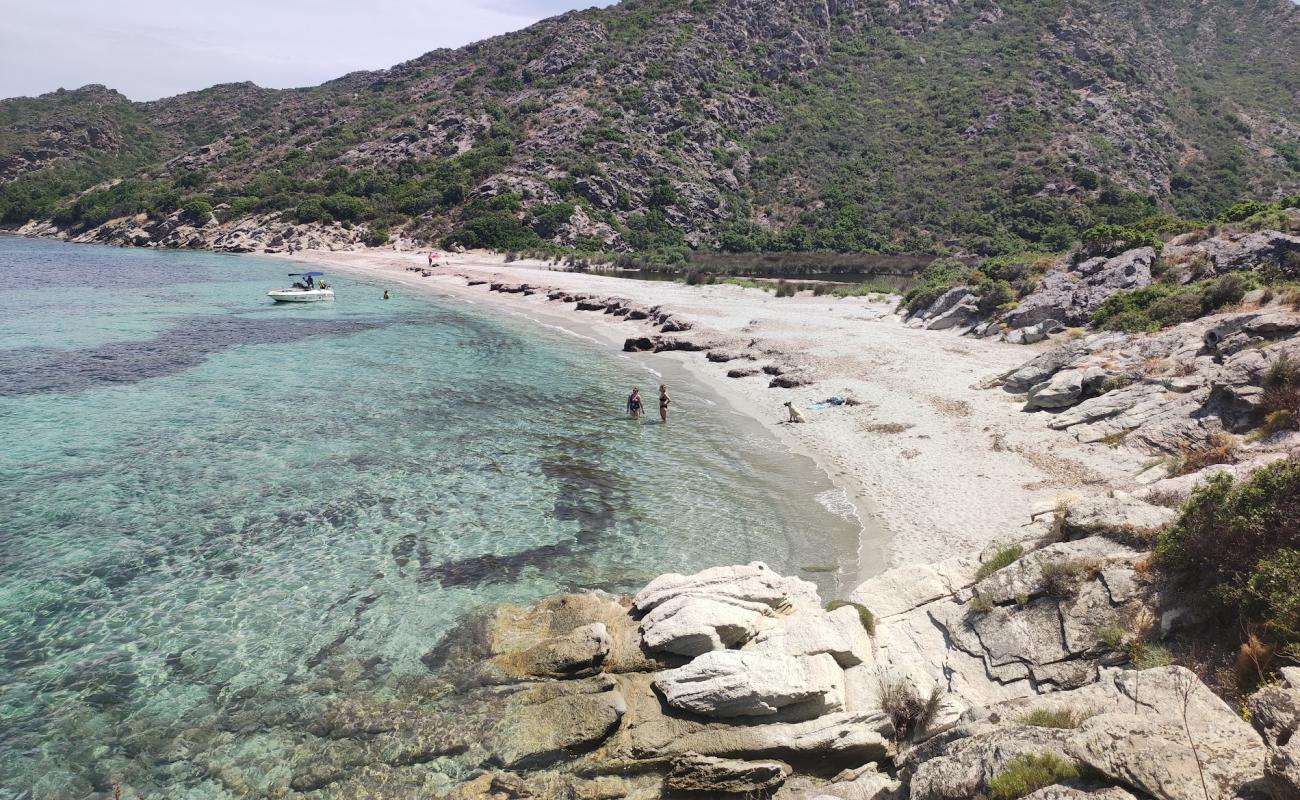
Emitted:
pixel 1220 448
pixel 950 408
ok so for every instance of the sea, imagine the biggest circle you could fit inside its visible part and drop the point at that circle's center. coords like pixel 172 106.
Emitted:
pixel 211 503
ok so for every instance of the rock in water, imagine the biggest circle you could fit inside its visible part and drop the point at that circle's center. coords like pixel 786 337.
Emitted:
pixel 732 683
pixel 693 772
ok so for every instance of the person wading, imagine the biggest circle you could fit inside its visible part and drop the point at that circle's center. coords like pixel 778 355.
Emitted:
pixel 664 400
pixel 635 408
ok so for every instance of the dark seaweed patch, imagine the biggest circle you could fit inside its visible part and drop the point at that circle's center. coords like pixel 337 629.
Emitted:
pixel 44 370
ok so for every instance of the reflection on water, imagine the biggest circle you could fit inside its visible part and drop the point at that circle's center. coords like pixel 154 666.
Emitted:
pixel 223 518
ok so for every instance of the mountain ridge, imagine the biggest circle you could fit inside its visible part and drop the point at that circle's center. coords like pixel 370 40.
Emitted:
pixel 663 125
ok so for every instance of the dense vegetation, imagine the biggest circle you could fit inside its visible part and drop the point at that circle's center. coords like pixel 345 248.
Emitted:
pixel 1237 547
pixel 674 125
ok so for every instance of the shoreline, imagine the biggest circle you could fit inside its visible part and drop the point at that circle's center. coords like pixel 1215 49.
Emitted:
pixel 908 457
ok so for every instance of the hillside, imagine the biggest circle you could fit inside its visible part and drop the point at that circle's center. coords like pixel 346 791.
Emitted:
pixel 662 125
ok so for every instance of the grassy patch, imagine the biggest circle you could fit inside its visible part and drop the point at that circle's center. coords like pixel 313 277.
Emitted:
pixel 1061 579
pixel 1001 557
pixel 1026 774
pixel 1064 718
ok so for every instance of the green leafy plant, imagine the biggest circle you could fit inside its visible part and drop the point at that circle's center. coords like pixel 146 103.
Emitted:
pixel 1062 717
pixel 1026 774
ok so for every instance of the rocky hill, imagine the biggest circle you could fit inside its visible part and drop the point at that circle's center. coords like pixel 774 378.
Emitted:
pixel 662 125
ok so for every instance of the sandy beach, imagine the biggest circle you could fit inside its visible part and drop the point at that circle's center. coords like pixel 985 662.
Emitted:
pixel 935 466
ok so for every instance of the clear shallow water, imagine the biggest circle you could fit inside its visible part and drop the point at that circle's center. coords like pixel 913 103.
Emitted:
pixel 209 503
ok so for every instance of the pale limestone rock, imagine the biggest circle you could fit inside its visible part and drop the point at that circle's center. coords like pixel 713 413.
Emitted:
pixel 735 683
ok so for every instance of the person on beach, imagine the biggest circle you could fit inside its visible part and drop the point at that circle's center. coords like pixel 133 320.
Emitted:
pixel 664 400
pixel 385 294
pixel 431 258
pixel 635 408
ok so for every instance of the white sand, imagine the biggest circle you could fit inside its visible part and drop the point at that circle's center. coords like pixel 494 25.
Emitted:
pixel 941 466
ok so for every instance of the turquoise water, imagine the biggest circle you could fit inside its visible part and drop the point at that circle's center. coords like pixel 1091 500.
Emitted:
pixel 211 503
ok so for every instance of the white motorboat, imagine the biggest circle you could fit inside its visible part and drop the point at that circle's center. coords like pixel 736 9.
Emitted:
pixel 306 290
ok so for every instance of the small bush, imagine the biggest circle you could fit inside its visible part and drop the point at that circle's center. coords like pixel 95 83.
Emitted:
pixel 1002 557
pixel 377 236
pixel 938 277
pixel 198 212
pixel 1237 546
pixel 1061 579
pixel 864 614
pixel 981 603
pixel 906 708
pixel 1064 718
pixel 1220 448
pixel 1281 400
pixel 1026 774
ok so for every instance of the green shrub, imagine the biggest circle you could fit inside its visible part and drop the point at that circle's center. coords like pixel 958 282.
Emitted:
pixel 1064 718
pixel 197 212
pixel 1061 579
pixel 1243 210
pixel 377 236
pixel 864 614
pixel 1026 774
pixel 1235 546
pixel 1001 557
pixel 1281 400
pixel 311 210
pixel 346 207
pixel 938 277
pixel 1161 305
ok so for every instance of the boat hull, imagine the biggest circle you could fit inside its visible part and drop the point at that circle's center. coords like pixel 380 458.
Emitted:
pixel 300 295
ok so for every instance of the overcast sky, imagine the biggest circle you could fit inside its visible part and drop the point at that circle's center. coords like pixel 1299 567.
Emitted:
pixel 154 48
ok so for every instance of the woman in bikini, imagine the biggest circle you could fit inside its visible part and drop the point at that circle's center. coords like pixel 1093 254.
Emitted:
pixel 635 408
pixel 664 400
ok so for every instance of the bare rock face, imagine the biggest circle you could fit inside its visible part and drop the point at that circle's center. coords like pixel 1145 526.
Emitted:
pixel 716 608
pixel 693 772
pixel 733 683
pixel 1239 252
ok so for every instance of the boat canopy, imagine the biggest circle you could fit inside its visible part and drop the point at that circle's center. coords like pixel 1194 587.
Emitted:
pixel 306 274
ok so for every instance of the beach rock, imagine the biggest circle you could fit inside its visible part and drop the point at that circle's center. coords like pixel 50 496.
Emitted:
pixel 674 325
pixel 549 722
pixel 691 625
pixel 904 588
pixel 1123 518
pixel 731 683
pixel 1065 388
pixel 835 738
pixel 959 767
pixel 743 372
pixel 693 772
pixel 639 344
pixel 1068 294
pixel 1152 754
pixel 1241 252
pixel 753 586
pixel 863 783
pixel 581 651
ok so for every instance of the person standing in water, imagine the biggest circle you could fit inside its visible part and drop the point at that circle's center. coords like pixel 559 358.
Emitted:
pixel 385 294
pixel 664 400
pixel 635 408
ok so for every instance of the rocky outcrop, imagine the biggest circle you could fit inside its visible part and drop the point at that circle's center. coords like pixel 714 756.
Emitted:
pixel 1235 252
pixel 1068 294
pixel 1166 393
